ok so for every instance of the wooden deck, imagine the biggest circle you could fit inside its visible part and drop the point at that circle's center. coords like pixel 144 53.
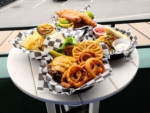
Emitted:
pixel 141 30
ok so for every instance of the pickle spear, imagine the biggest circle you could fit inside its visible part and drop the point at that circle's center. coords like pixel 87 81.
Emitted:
pixel 55 53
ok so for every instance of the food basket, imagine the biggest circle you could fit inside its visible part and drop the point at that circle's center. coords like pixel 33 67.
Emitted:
pixel 46 82
pixel 114 55
pixel 17 44
pixel 42 54
pixel 55 19
pixel 127 53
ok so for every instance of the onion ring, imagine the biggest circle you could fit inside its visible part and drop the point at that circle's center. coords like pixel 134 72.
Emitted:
pixel 85 55
pixel 77 76
pixel 64 81
pixel 94 67
pixel 87 49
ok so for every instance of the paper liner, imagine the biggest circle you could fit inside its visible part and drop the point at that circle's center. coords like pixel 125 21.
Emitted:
pixel 89 35
pixel 49 43
pixel 128 52
pixel 47 83
pixel 55 19
pixel 17 44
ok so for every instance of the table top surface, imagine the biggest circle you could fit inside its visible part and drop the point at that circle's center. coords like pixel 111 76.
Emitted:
pixel 24 73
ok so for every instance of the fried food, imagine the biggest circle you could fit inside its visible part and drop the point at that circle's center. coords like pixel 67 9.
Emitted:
pixel 81 24
pixel 87 49
pixel 88 20
pixel 86 55
pixel 64 81
pixel 78 75
pixel 75 77
pixel 59 65
pixel 33 42
pixel 45 29
pixel 76 16
pixel 111 31
pixel 71 15
pixel 108 40
pixel 84 65
pixel 94 67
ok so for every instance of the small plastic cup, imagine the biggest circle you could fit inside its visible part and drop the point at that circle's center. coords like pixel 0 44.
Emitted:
pixel 121 44
pixel 99 31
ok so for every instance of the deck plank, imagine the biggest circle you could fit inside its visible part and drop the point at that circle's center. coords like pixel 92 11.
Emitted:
pixel 4 35
pixel 6 47
pixel 142 40
pixel 143 28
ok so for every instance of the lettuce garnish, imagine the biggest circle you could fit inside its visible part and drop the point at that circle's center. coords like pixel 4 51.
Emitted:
pixel 70 40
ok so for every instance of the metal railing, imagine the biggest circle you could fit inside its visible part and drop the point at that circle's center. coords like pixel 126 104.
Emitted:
pixel 3 54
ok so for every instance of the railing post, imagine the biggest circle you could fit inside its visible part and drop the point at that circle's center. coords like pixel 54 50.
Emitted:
pixel 113 25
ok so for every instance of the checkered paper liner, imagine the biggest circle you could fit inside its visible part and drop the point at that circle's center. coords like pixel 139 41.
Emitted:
pixel 89 35
pixel 128 52
pixel 49 43
pixel 17 44
pixel 47 83
pixel 55 18
pixel 83 34
pixel 53 43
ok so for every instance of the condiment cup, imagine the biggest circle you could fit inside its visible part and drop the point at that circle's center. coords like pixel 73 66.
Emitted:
pixel 121 44
pixel 99 31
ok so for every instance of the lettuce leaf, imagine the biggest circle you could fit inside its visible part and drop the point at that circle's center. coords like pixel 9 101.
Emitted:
pixel 70 40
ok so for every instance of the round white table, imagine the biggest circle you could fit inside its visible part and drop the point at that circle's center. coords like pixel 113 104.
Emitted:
pixel 24 74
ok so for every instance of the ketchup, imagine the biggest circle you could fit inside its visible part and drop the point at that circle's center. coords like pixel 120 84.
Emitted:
pixel 99 31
